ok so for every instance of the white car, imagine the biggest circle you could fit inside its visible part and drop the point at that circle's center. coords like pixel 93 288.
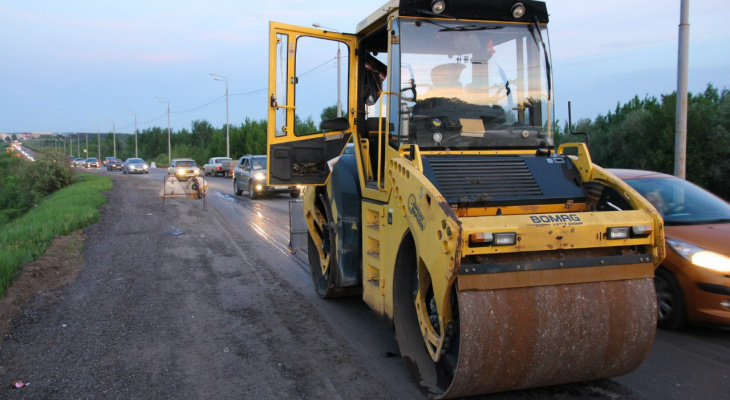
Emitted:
pixel 183 168
pixel 215 166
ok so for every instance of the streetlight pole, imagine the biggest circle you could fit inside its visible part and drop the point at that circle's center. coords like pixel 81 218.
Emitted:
pixel 98 141
pixel 114 136
pixel 169 146
pixel 135 132
pixel 680 140
pixel 78 145
pixel 228 140
pixel 339 71
pixel 87 143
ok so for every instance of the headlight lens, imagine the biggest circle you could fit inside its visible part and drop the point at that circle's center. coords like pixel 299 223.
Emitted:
pixel 700 257
pixel 259 176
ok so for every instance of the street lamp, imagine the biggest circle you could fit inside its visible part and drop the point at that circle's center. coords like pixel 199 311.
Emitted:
pixel 98 141
pixel 114 136
pixel 169 147
pixel 339 71
pixel 87 143
pixel 228 141
pixel 135 132
pixel 78 145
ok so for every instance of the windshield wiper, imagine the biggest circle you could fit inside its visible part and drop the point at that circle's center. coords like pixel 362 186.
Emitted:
pixel 547 57
pixel 468 28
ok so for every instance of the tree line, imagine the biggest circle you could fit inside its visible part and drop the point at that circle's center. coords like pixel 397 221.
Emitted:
pixel 640 134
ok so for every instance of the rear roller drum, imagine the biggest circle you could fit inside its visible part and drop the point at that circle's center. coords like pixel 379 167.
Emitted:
pixel 323 266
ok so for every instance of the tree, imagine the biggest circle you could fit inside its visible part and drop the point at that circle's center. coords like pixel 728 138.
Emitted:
pixel 640 135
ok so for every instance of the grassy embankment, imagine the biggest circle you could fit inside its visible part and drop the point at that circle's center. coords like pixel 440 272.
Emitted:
pixel 26 238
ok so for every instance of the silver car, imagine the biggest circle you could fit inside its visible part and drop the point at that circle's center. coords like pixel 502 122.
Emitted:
pixel 135 166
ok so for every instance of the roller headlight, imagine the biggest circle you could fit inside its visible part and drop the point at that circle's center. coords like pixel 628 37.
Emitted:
pixel 493 239
pixel 700 257
pixel 438 6
pixel 518 11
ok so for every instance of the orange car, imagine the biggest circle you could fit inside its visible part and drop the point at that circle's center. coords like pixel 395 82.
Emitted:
pixel 693 281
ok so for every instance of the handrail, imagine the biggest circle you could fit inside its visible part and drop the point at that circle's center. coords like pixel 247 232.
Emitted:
pixel 380 137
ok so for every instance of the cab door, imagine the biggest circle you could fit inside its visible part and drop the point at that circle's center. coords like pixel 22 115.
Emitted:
pixel 311 110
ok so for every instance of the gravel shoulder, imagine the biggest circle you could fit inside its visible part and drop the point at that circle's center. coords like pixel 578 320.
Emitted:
pixel 175 304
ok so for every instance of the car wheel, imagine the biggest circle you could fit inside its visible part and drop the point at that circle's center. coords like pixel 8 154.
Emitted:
pixel 147 172
pixel 236 189
pixel 294 195
pixel 670 301
pixel 125 172
pixel 252 191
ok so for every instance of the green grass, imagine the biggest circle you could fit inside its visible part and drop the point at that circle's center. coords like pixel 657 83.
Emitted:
pixel 26 238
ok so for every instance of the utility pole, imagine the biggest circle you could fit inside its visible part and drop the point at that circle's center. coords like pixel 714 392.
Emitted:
pixel 224 79
pixel 169 144
pixel 98 141
pixel 135 132
pixel 680 143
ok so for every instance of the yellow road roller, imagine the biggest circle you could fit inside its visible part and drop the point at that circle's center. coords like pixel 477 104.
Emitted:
pixel 434 190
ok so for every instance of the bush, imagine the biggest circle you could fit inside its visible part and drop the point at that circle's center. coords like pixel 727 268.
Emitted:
pixel 24 184
pixel 27 238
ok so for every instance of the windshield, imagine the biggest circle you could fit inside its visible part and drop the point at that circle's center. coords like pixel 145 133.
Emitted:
pixel 682 202
pixel 258 163
pixel 473 85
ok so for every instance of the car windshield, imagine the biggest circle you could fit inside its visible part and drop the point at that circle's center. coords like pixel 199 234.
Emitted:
pixel 185 164
pixel 135 161
pixel 258 163
pixel 472 86
pixel 681 202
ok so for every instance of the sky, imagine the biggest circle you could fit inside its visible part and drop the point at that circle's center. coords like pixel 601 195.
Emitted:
pixel 83 65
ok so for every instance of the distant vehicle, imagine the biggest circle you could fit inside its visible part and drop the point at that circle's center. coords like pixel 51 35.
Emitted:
pixel 215 166
pixel 92 162
pixel 106 160
pixel 79 162
pixel 135 166
pixel 114 164
pixel 183 168
pixel 250 175
pixel 692 282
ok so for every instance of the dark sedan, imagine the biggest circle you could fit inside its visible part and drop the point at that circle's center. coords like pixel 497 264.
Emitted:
pixel 114 164
pixel 92 162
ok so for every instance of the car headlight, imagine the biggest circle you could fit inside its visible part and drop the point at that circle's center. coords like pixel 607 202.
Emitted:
pixel 180 172
pixel 259 176
pixel 699 256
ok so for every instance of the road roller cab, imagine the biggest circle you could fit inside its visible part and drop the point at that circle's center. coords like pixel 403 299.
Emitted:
pixel 501 261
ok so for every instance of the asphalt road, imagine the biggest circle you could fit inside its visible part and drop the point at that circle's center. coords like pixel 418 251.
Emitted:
pixel 199 304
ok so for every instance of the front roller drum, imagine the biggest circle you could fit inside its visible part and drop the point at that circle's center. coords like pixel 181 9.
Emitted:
pixel 520 338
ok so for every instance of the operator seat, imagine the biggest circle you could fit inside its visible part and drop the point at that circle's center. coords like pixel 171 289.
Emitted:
pixel 445 80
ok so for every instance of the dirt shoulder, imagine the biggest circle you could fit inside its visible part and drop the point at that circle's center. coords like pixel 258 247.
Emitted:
pixel 58 266
pixel 173 305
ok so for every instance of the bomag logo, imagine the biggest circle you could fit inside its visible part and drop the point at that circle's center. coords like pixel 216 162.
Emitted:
pixel 416 212
pixel 557 219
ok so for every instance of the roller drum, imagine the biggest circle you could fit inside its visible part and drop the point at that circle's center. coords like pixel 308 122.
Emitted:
pixel 537 336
